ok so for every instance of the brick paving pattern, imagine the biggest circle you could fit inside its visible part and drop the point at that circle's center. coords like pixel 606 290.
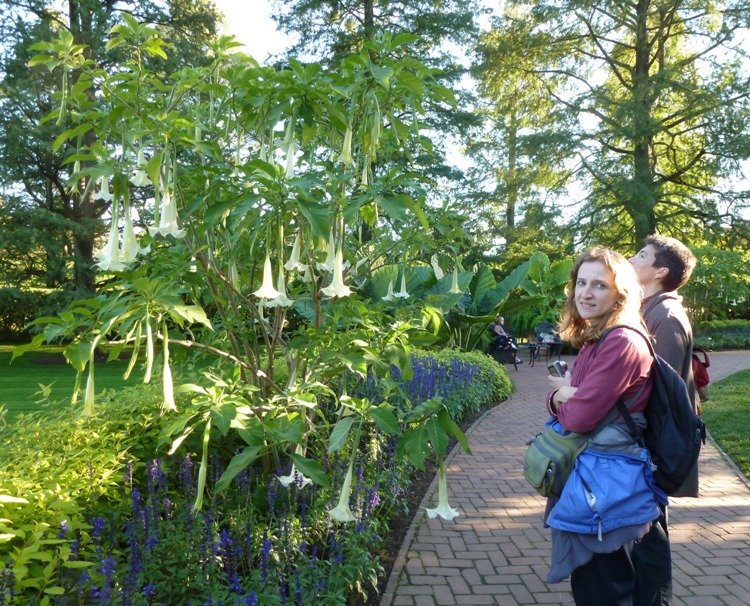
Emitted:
pixel 496 551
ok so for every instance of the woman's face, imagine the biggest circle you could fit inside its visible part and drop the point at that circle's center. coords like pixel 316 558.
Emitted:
pixel 595 292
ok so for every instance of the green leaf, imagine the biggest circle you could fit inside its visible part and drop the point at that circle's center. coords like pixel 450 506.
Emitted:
pixel 337 440
pixel 383 75
pixel 19 350
pixel 415 445
pixel 222 416
pixel 286 428
pixel 311 469
pixel 190 313
pixel 450 426
pixel 236 465
pixel 384 418
pixel 437 435
pixel 78 354
pixel 319 217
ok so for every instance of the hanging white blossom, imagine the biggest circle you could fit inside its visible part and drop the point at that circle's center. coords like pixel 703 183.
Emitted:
pixel 110 258
pixel 454 285
pixel 342 512
pixel 330 261
pixel 436 267
pixel 139 178
pixel 402 294
pixel 389 295
pixel 281 300
pixel 287 481
pixel 266 290
pixel 346 149
pixel 168 223
pixel 104 193
pixel 294 259
pixel 443 510
pixel 337 288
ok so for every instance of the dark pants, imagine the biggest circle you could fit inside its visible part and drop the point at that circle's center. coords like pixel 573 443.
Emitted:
pixel 607 580
pixel 652 558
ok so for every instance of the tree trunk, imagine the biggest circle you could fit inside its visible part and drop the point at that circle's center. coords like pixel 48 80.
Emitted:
pixel 644 190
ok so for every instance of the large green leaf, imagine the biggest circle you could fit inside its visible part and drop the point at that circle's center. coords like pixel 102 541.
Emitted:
pixel 482 284
pixel 319 217
pixel 414 444
pixel 236 465
pixel 339 434
pixel 384 418
pixel 311 469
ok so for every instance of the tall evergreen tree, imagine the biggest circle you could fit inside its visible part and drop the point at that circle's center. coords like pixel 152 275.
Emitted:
pixel 519 147
pixel 662 93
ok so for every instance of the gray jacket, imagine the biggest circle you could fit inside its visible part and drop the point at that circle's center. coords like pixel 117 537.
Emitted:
pixel 672 335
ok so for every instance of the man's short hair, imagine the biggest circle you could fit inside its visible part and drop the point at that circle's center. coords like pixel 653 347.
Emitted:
pixel 676 257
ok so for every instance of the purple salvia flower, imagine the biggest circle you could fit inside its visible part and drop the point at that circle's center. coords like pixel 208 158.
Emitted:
pixel 64 528
pixel 265 556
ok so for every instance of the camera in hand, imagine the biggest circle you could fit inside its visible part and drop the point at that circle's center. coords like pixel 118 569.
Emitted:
pixel 558 368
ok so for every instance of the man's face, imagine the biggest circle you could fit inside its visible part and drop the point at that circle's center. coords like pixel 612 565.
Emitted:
pixel 643 263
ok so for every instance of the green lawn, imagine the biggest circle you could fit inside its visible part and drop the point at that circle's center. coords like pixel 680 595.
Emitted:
pixel 20 381
pixel 727 416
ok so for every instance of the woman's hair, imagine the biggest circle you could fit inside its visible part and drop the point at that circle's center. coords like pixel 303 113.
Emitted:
pixel 627 310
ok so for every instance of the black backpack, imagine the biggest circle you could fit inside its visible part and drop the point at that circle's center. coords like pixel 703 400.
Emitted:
pixel 674 433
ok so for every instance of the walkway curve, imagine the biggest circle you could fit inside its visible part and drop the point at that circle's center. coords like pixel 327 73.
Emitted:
pixel 496 551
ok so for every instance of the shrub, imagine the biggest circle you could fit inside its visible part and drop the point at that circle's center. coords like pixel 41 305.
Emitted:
pixel 465 381
pixel 722 334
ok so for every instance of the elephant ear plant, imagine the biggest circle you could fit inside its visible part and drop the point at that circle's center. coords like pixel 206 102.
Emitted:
pixel 239 196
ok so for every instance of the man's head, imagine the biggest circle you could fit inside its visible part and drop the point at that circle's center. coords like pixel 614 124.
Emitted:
pixel 663 264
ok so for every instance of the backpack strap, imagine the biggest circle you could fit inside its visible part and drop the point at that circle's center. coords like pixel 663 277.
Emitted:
pixel 623 406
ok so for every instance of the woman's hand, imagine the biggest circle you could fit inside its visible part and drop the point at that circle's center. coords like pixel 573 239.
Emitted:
pixel 563 394
pixel 563 389
pixel 559 382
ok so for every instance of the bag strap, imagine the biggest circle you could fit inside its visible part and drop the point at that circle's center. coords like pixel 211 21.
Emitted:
pixel 622 406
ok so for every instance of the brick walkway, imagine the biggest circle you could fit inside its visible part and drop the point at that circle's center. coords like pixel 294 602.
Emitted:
pixel 496 551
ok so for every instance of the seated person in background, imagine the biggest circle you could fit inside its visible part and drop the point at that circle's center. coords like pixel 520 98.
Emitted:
pixel 502 339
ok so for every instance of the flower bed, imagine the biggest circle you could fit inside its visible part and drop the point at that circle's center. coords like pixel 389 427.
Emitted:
pixel 92 516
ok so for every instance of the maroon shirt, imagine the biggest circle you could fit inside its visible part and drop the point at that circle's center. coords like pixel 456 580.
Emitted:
pixel 619 368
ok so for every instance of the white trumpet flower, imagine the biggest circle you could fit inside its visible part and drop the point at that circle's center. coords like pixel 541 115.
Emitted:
pixel 330 261
pixel 104 193
pixel 342 512
pixel 130 247
pixel 454 285
pixel 436 267
pixel 88 400
pixel 389 295
pixel 291 159
pixel 443 510
pixel 281 300
pixel 168 224
pixel 139 178
pixel 167 385
pixel 307 275
pixel 402 294
pixel 294 262
pixel 287 481
pixel 109 259
pixel 337 288
pixel 266 290
pixel 345 156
